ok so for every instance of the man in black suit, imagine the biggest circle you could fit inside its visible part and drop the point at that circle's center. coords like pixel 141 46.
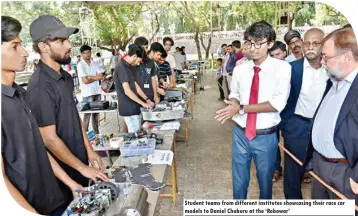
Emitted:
pixel 333 150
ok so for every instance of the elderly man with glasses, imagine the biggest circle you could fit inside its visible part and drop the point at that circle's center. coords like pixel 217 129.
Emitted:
pixel 308 82
pixel 259 91
pixel 332 152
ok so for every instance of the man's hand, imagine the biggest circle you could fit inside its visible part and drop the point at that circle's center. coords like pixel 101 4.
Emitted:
pixel 151 104
pixel 161 91
pixel 146 106
pixel 74 188
pixel 165 85
pixel 156 99
pixel 94 157
pixel 92 173
pixel 227 112
pixel 354 186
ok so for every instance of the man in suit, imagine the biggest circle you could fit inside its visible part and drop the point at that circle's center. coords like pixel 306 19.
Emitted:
pixel 308 83
pixel 333 150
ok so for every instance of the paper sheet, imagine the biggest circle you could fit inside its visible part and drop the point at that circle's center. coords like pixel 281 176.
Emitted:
pixel 161 157
pixel 175 125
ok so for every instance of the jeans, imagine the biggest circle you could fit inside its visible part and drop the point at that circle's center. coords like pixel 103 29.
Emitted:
pixel 133 123
pixel 220 81
pixel 263 149
pixel 95 116
pixel 278 166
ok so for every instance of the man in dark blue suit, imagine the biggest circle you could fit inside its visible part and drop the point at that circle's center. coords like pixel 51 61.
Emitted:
pixel 308 82
pixel 333 150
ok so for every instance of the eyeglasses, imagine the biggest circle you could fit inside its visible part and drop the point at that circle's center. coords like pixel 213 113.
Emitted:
pixel 257 45
pixel 314 44
pixel 326 58
pixel 298 41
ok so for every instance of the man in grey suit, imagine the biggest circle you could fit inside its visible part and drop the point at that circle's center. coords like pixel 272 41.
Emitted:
pixel 333 150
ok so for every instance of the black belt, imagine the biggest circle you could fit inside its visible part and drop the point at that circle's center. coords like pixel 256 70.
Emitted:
pixel 265 131
pixel 303 118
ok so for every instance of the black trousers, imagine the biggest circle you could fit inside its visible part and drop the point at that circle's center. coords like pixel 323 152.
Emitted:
pixel 296 133
pixel 220 81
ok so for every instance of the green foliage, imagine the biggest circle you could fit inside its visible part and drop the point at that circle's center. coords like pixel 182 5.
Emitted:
pixel 27 11
pixel 114 21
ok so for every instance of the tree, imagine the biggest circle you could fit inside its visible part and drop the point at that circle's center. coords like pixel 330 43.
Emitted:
pixel 197 18
pixel 27 11
pixel 117 24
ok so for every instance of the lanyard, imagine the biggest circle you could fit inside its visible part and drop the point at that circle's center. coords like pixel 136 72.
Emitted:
pixel 145 74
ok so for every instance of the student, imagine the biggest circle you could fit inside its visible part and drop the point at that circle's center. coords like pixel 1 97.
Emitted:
pixel 259 91
pixel 130 95
pixel 219 78
pixel 164 72
pixel 146 72
pixel 29 171
pixel 90 73
pixel 53 104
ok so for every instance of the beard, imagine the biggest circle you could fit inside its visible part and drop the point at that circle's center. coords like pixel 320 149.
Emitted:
pixel 57 58
pixel 335 74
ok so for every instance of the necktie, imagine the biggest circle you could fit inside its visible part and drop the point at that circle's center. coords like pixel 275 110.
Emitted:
pixel 250 130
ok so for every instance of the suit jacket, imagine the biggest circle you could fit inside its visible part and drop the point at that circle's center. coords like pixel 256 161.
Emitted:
pixel 296 84
pixel 346 130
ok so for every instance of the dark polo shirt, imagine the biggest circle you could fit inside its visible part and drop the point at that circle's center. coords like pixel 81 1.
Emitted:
pixel 53 102
pixel 124 73
pixel 25 158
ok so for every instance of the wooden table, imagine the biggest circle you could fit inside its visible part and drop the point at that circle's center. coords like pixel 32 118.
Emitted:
pixel 159 171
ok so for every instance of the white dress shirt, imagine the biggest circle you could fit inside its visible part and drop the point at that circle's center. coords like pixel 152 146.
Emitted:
pixel 325 121
pixel 313 86
pixel 274 87
pixel 226 59
pixel 89 70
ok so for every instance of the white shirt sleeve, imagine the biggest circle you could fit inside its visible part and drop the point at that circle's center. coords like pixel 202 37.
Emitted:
pixel 235 85
pixel 80 69
pixel 99 66
pixel 283 86
pixel 171 60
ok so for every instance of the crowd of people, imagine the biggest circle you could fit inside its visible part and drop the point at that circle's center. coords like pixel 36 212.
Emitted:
pixel 310 96
pixel 46 154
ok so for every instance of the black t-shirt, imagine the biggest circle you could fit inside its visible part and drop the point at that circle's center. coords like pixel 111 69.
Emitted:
pixel 53 102
pixel 143 75
pixel 25 158
pixel 124 73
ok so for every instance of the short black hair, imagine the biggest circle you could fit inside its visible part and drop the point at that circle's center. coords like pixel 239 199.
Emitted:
pixel 79 56
pixel 177 48
pixel 278 45
pixel 168 39
pixel 98 54
pixel 236 43
pixel 183 47
pixel 222 45
pixel 259 31
pixel 156 47
pixel 85 48
pixel 164 54
pixel 10 28
pixel 219 59
pixel 230 45
pixel 141 41
pixel 136 50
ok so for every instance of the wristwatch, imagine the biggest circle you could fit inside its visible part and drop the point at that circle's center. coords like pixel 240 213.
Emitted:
pixel 242 110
